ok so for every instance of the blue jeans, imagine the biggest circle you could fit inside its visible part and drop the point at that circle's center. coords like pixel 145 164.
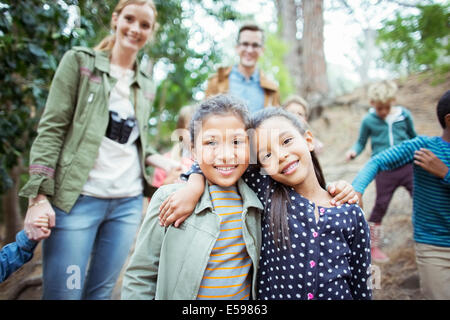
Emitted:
pixel 96 231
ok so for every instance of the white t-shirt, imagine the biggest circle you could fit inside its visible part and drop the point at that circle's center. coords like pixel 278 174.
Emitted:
pixel 117 172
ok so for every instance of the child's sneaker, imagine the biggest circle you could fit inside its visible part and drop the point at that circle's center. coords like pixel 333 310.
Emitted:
pixel 375 237
pixel 378 256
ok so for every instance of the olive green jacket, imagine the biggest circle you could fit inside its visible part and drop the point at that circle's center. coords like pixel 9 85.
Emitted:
pixel 74 122
pixel 169 263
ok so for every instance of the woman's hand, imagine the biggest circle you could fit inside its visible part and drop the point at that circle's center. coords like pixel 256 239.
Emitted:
pixel 39 209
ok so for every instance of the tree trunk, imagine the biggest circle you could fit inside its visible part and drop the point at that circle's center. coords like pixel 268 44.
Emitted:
pixel 288 15
pixel 315 79
pixel 11 208
pixel 366 54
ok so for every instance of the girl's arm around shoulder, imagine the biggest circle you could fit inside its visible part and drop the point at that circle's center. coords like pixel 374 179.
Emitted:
pixel 139 282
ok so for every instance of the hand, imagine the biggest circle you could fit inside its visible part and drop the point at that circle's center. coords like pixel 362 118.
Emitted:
pixel 180 204
pixel 343 192
pixel 171 165
pixel 350 155
pixel 38 208
pixel 428 161
pixel 177 207
pixel 42 222
pixel 167 164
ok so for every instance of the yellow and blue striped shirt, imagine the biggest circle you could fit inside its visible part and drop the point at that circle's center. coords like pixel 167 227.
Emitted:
pixel 227 275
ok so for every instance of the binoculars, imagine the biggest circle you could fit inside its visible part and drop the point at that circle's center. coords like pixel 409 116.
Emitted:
pixel 119 129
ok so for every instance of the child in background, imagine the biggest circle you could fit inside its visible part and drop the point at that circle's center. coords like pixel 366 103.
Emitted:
pixel 386 125
pixel 16 254
pixel 431 199
pixel 300 108
pixel 180 151
pixel 215 254
pixel 309 249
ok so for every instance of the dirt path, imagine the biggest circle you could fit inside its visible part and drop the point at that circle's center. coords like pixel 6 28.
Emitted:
pixel 337 129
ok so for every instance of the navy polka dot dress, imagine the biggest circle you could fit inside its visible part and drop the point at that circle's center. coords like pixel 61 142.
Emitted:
pixel 327 260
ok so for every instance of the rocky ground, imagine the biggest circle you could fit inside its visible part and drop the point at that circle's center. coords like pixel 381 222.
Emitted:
pixel 337 129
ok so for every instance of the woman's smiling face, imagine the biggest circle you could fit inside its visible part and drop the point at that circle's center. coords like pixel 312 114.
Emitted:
pixel 134 26
pixel 284 152
pixel 222 149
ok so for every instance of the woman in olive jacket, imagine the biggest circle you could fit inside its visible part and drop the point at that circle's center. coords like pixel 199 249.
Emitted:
pixel 87 166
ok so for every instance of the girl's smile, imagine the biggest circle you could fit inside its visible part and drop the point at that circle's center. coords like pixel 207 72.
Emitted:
pixel 290 168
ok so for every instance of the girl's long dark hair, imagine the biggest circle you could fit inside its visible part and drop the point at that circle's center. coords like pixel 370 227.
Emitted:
pixel 279 197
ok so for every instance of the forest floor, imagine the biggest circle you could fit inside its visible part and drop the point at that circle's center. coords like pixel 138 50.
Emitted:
pixel 338 129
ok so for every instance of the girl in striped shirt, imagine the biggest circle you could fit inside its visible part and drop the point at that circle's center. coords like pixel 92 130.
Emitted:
pixel 215 252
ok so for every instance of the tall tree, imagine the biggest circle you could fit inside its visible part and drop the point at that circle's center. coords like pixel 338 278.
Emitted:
pixel 314 65
pixel 301 26
pixel 288 16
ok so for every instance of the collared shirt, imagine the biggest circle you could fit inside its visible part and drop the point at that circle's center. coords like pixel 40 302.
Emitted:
pixel 249 90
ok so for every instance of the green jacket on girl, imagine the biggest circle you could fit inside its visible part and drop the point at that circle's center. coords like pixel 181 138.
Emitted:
pixel 169 263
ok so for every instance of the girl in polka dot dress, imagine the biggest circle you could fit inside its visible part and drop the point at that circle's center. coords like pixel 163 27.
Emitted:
pixel 309 249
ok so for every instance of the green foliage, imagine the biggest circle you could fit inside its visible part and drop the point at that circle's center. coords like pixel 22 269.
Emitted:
pixel 418 42
pixel 272 63
pixel 29 57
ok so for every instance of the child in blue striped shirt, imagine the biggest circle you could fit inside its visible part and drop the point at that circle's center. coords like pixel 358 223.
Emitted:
pixel 431 199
